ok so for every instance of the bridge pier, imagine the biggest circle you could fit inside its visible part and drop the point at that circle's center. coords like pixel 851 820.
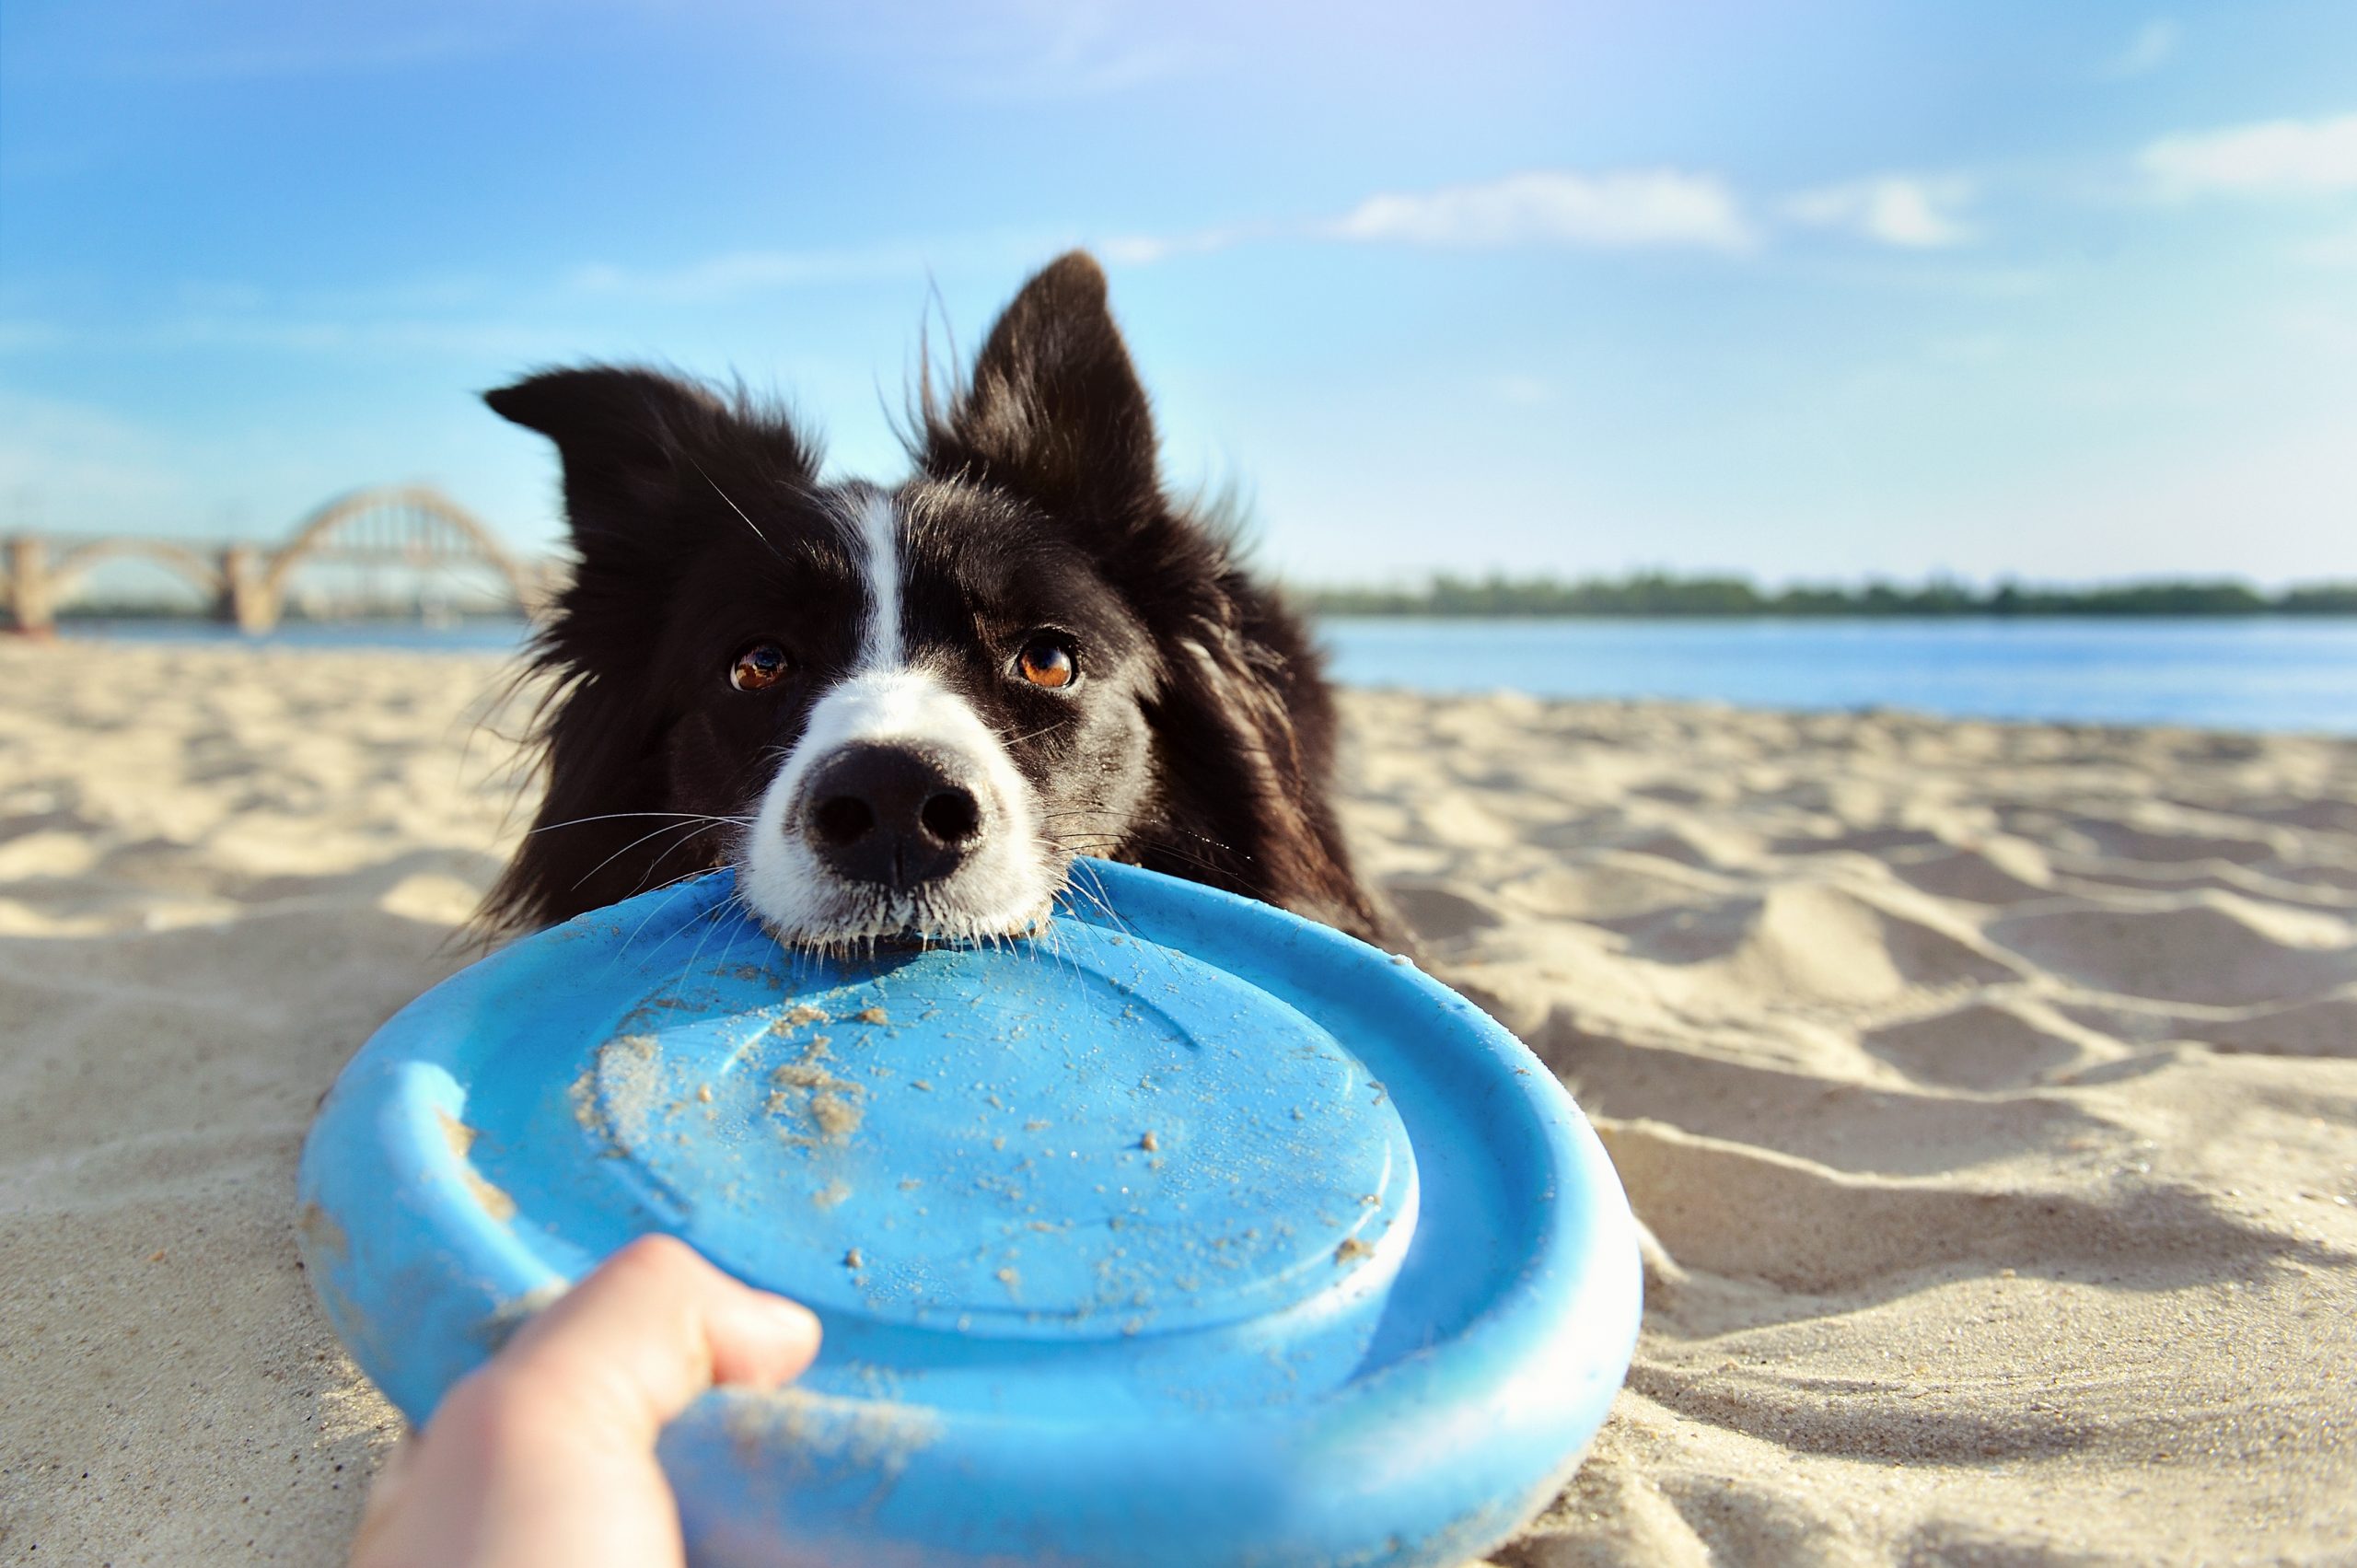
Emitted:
pixel 246 601
pixel 32 608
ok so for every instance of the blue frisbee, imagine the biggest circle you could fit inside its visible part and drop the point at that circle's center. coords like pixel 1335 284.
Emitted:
pixel 1185 1232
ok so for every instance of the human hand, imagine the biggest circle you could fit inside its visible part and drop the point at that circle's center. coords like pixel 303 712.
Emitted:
pixel 545 1456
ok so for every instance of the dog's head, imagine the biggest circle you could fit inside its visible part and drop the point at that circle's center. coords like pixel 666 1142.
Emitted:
pixel 906 710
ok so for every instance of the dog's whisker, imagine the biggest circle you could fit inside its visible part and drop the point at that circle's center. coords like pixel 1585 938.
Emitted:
pixel 618 816
pixel 1091 846
pixel 689 875
pixel 758 534
pixel 1043 729
pixel 715 915
pixel 694 828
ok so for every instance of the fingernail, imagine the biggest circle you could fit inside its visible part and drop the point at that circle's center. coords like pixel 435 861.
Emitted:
pixel 791 1318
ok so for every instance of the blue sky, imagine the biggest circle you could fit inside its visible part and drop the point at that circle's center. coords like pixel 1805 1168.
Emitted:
pixel 1820 289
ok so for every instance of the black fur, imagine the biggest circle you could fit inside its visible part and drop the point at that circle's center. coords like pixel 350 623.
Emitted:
pixel 1200 741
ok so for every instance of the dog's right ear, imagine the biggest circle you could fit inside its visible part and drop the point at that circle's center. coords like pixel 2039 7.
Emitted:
pixel 628 439
pixel 646 456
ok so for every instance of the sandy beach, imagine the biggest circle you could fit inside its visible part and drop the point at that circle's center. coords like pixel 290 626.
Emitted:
pixel 1991 1091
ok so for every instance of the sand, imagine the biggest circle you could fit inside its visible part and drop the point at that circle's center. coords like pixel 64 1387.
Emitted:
pixel 1991 1091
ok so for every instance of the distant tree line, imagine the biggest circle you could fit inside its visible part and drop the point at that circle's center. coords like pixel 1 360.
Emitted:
pixel 1655 593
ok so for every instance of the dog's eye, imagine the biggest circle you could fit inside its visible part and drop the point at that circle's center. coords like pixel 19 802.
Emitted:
pixel 1048 659
pixel 759 667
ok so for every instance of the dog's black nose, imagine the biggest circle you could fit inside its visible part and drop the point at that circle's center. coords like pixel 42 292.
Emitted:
pixel 890 815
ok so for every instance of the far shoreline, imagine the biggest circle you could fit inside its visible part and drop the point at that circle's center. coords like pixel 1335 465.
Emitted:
pixel 1661 595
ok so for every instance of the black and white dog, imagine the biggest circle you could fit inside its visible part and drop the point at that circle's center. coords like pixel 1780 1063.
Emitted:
pixel 903 712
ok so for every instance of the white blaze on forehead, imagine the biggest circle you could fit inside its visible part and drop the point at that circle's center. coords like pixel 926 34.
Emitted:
pixel 876 535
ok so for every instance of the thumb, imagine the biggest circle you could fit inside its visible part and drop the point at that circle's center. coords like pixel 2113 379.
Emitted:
pixel 651 1328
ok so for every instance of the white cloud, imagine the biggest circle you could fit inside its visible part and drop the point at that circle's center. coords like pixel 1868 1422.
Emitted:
pixel 1615 209
pixel 2329 250
pixel 1142 250
pixel 2153 46
pixel 1916 214
pixel 2277 158
pixel 1618 210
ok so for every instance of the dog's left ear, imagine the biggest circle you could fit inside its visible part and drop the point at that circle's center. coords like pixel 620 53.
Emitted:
pixel 1054 413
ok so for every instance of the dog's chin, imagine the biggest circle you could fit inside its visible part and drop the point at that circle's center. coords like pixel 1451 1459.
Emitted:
pixel 832 917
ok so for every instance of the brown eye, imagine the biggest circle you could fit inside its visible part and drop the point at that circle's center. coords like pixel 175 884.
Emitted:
pixel 1050 660
pixel 759 667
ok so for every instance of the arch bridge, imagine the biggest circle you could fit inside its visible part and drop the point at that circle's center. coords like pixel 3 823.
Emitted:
pixel 405 525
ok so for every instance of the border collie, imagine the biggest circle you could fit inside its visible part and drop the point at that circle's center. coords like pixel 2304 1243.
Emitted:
pixel 902 713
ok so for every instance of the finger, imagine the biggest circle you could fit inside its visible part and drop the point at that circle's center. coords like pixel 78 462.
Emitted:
pixel 379 1519
pixel 651 1328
